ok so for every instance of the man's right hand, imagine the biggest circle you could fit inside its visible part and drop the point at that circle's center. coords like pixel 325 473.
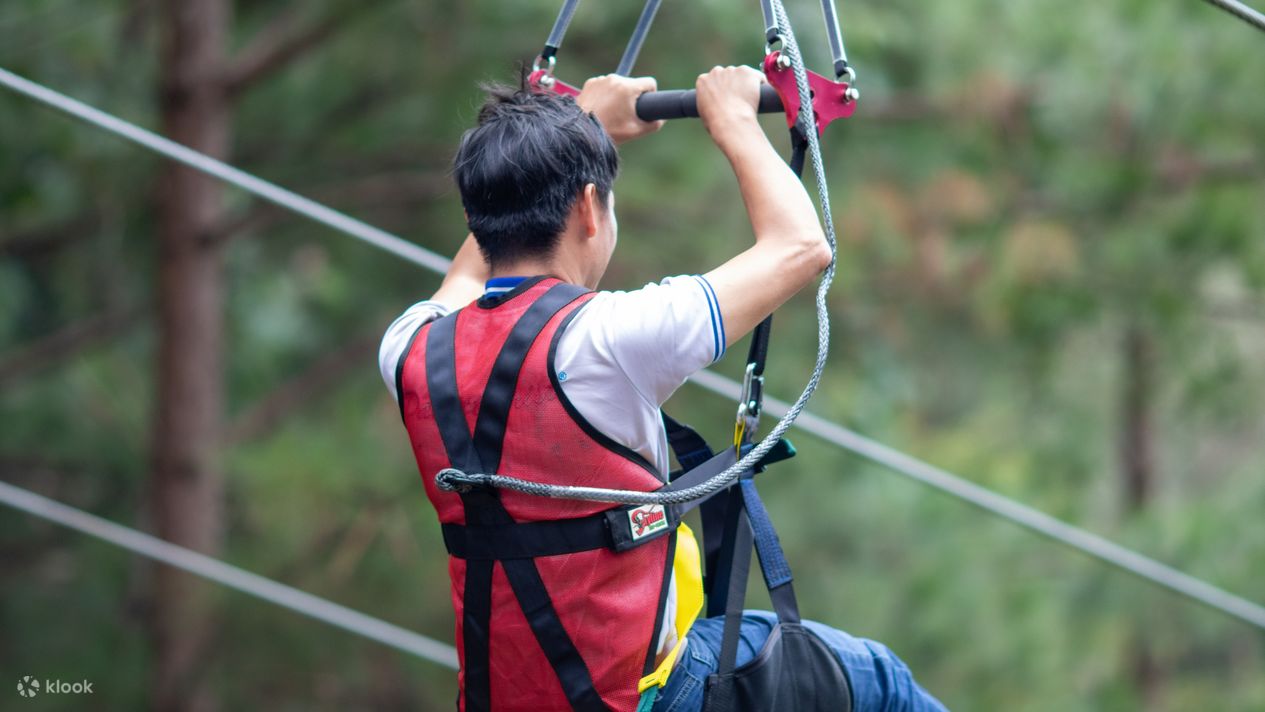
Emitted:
pixel 727 101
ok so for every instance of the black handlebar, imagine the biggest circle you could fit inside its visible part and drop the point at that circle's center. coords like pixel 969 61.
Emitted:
pixel 683 103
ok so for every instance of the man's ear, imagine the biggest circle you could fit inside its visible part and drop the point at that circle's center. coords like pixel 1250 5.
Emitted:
pixel 589 207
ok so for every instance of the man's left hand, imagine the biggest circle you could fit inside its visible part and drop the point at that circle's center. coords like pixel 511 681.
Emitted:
pixel 613 99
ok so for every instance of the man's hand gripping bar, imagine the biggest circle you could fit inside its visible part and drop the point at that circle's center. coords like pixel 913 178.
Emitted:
pixel 831 99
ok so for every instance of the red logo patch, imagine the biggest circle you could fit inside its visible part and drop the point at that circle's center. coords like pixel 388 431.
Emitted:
pixel 646 520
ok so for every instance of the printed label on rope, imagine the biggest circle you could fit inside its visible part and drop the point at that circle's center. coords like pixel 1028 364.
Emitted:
pixel 646 520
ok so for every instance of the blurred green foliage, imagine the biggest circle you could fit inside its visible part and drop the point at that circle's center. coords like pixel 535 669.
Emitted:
pixel 1023 184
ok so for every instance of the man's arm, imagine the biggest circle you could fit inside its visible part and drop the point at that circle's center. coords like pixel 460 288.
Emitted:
pixel 462 285
pixel 465 279
pixel 790 249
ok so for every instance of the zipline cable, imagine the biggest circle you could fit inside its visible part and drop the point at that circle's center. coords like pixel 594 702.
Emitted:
pixel 918 470
pixel 1243 12
pixel 231 576
pixel 247 182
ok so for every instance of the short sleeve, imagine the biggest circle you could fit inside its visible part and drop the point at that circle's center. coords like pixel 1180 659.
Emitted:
pixel 661 334
pixel 398 335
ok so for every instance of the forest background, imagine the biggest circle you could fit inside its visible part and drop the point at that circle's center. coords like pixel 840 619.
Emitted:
pixel 1051 280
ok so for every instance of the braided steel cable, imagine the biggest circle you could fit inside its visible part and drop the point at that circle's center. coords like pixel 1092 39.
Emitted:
pixel 454 480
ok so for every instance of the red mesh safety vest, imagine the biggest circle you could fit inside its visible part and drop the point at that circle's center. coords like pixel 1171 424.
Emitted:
pixel 558 603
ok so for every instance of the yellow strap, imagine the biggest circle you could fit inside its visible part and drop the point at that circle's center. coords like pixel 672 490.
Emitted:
pixel 687 568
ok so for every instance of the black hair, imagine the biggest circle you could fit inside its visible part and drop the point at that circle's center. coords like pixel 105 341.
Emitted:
pixel 521 169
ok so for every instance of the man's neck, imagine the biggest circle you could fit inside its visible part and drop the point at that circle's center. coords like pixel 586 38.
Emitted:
pixel 530 268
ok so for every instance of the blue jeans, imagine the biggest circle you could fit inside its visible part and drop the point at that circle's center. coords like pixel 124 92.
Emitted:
pixel 879 680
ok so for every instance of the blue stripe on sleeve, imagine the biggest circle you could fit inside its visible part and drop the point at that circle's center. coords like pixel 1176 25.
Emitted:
pixel 711 313
pixel 716 315
pixel 718 327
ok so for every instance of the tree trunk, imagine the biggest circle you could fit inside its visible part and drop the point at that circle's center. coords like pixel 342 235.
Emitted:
pixel 1137 466
pixel 1137 456
pixel 186 488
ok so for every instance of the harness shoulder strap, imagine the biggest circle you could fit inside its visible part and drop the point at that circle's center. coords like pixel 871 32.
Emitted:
pixel 480 451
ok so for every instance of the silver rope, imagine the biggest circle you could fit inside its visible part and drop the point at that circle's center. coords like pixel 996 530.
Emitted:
pixel 454 480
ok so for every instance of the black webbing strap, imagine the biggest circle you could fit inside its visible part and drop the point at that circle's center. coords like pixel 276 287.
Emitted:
pixel 799 149
pixel 690 448
pixel 527 540
pixel 748 523
pixel 757 355
pixel 773 564
pixel 712 513
pixel 759 351
pixel 476 634
pixel 441 382
pixel 618 529
pixel 736 561
pixel 481 451
pixel 721 554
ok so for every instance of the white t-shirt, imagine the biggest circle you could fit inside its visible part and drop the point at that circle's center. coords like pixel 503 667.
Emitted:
pixel 620 359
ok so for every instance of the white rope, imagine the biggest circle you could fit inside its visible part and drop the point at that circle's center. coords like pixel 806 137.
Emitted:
pixel 927 474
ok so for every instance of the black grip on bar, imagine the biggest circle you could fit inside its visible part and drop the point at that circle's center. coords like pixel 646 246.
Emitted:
pixel 683 103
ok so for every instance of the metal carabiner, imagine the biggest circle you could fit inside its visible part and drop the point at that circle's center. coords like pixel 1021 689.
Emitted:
pixel 747 420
